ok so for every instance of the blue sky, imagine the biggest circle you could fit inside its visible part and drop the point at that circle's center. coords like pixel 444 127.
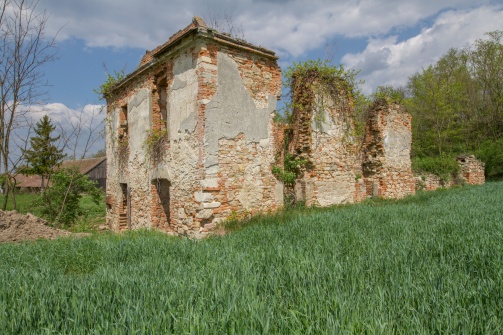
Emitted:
pixel 387 40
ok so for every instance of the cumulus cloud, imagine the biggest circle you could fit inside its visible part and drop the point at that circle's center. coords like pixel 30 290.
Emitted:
pixel 81 129
pixel 387 61
pixel 289 26
pixel 294 28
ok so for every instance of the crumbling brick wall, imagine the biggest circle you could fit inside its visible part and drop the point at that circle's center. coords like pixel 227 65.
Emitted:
pixel 471 170
pixel 431 182
pixel 386 163
pixel 200 135
pixel 323 133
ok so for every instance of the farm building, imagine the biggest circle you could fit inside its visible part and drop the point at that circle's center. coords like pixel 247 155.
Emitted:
pixel 94 168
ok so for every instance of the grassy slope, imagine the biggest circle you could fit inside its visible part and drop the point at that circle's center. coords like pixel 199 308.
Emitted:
pixel 428 264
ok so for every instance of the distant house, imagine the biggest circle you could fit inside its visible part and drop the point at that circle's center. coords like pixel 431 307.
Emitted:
pixel 95 168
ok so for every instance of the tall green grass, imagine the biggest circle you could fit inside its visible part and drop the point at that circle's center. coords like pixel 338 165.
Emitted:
pixel 429 264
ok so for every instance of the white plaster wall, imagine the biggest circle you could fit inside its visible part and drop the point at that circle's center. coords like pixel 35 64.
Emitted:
pixel 182 97
pixel 113 189
pixel 139 123
pixel 396 140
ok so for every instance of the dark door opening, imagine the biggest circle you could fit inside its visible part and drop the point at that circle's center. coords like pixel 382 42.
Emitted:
pixel 162 187
pixel 125 208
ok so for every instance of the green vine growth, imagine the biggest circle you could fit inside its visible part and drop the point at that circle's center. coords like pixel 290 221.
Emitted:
pixel 292 167
pixel 154 143
pixel 389 94
pixel 305 81
pixel 105 90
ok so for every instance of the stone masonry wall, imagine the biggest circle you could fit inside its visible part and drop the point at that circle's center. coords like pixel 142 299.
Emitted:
pixel 471 170
pixel 326 138
pixel 239 141
pixel 386 163
pixel 213 104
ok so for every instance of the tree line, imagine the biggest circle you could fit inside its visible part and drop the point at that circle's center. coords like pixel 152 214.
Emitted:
pixel 457 106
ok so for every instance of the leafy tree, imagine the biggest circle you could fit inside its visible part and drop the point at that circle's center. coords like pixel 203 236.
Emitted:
pixel 43 157
pixel 486 67
pixel 457 104
pixel 439 106
pixel 61 201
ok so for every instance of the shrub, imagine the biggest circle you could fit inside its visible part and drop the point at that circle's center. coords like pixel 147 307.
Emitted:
pixel 445 167
pixel 59 203
pixel 491 153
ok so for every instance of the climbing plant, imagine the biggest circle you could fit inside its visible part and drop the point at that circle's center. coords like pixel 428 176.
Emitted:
pixel 154 143
pixel 105 89
pixel 306 80
pixel 289 172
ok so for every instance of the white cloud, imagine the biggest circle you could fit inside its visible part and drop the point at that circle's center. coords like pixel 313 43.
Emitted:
pixel 289 26
pixel 293 28
pixel 391 62
pixel 81 129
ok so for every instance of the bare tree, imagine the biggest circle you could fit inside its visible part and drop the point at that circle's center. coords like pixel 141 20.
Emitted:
pixel 79 134
pixel 24 49
pixel 80 131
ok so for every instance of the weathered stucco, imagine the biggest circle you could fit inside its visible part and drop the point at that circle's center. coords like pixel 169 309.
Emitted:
pixel 215 99
pixel 232 111
pixel 182 102
pixel 386 165
pixel 139 123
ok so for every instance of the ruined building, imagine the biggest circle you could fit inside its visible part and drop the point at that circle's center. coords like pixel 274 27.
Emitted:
pixel 323 133
pixel 344 166
pixel 386 151
pixel 189 134
pixel 191 139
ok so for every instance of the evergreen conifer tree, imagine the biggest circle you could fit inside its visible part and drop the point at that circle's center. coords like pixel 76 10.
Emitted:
pixel 43 157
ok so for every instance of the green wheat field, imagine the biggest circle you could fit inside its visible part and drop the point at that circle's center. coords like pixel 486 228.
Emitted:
pixel 427 264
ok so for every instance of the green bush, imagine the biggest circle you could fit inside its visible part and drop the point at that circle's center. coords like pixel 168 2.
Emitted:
pixel 60 203
pixel 445 167
pixel 292 167
pixel 491 153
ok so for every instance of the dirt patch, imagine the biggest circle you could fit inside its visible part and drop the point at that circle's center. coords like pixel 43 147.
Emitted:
pixel 15 227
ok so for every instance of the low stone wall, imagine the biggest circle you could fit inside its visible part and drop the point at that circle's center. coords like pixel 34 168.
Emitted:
pixel 431 182
pixel 471 170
